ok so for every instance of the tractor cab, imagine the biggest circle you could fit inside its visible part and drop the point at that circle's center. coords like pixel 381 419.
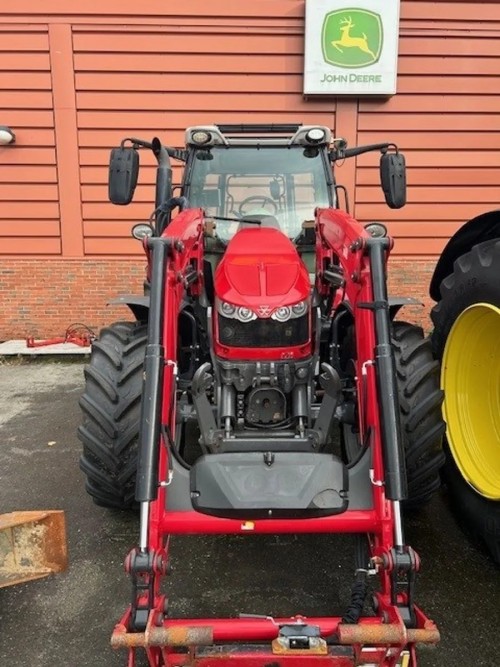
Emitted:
pixel 270 180
pixel 277 180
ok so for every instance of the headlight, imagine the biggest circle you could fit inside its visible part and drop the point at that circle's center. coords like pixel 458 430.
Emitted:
pixel 299 309
pixel 141 230
pixel 286 313
pixel 282 314
pixel 201 137
pixel 226 309
pixel 245 314
pixel 315 136
pixel 240 313
pixel 376 229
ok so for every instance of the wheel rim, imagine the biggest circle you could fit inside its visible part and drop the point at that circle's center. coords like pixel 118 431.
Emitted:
pixel 470 377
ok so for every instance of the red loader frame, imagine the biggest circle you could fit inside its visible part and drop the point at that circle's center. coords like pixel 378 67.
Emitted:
pixel 386 639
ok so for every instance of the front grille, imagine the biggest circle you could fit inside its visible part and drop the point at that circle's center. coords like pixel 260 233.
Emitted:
pixel 263 332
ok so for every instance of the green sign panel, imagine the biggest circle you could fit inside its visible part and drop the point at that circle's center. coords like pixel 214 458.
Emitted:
pixel 352 38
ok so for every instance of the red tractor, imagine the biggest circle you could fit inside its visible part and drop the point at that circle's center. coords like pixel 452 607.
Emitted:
pixel 265 387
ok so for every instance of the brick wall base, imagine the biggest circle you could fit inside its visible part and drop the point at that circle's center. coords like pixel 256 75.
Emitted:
pixel 41 297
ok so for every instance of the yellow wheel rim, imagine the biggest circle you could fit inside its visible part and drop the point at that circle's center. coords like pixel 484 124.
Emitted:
pixel 470 377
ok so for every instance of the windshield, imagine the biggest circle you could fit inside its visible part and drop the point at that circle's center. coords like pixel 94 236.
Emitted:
pixel 278 186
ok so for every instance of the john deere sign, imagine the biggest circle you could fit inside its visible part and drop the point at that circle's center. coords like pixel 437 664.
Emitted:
pixel 351 49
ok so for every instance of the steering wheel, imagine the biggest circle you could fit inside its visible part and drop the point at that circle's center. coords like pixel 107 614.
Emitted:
pixel 258 199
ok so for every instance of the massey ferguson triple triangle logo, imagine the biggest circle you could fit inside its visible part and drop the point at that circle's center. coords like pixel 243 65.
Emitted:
pixel 352 38
pixel 264 311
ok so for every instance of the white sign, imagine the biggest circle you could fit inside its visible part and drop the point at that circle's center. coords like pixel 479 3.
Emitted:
pixel 351 47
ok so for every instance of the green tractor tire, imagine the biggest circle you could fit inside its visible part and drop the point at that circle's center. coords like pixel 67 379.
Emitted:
pixel 466 339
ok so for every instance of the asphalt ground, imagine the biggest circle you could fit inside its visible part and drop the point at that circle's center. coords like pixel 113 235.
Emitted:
pixel 66 620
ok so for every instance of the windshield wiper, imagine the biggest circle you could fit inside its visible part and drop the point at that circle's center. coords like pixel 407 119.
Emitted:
pixel 243 222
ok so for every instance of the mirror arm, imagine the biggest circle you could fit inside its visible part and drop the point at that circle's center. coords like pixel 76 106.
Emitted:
pixel 137 143
pixel 342 153
pixel 176 153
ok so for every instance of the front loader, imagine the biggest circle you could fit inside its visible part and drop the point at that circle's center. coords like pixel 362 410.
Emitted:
pixel 265 387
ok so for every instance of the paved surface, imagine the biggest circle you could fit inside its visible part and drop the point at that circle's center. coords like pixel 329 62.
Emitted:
pixel 66 621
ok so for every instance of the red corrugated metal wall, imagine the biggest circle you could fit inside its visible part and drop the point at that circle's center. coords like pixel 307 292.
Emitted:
pixel 147 81
pixel 445 117
pixel 75 79
pixel 29 209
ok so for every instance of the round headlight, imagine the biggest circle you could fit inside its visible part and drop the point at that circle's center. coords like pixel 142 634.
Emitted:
pixel 141 230
pixel 245 314
pixel 201 137
pixel 376 229
pixel 315 135
pixel 227 309
pixel 299 309
pixel 282 314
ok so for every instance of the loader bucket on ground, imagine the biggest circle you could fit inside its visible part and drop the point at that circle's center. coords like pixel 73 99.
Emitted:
pixel 32 545
pixel 469 376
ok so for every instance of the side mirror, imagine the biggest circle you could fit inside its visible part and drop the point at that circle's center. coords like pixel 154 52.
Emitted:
pixel 123 173
pixel 393 179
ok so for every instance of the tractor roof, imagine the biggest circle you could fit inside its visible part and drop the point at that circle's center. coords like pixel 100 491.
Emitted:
pixel 258 135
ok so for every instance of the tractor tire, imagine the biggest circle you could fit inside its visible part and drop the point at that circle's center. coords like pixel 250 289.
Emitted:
pixel 420 400
pixel 111 410
pixel 466 339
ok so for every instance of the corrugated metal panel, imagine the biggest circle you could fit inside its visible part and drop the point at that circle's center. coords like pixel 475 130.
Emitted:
pixel 178 64
pixel 196 10
pixel 29 209
pixel 150 81
pixel 445 118
pixel 152 10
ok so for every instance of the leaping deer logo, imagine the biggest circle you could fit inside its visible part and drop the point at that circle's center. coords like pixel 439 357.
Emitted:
pixel 352 37
pixel 349 42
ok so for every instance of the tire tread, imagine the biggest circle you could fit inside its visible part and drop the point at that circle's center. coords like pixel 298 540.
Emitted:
pixel 420 408
pixel 474 279
pixel 110 406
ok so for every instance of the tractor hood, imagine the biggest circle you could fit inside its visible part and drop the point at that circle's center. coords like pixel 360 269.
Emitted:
pixel 262 270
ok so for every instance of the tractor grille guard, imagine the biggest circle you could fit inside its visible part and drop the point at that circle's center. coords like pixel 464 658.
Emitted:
pixel 386 640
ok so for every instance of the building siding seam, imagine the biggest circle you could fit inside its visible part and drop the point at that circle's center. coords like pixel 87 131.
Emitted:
pixel 68 168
